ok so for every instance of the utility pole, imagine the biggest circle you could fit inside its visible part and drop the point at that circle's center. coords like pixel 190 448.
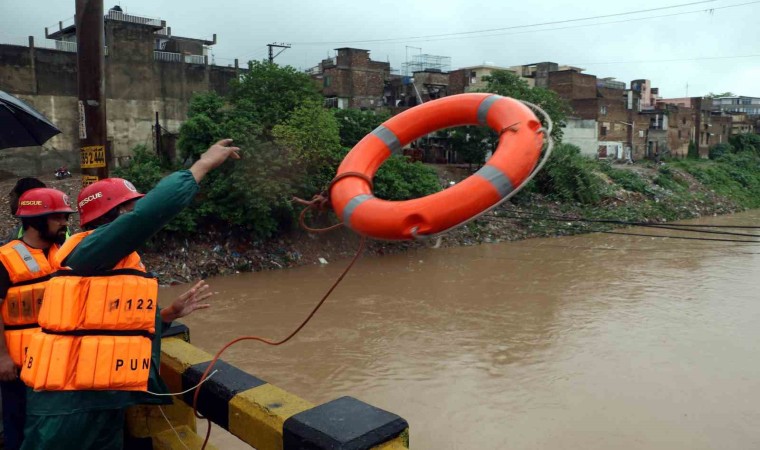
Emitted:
pixel 271 46
pixel 92 99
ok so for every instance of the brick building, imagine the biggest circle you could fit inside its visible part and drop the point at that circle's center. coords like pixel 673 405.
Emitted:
pixel 351 79
pixel 147 71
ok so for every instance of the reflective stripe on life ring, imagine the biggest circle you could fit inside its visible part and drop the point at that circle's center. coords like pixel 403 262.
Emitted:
pixel 520 145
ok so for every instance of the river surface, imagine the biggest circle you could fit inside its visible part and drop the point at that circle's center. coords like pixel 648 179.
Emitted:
pixel 587 342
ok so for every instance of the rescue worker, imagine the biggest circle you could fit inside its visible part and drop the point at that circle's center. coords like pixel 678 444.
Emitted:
pixel 25 267
pixel 22 185
pixel 100 318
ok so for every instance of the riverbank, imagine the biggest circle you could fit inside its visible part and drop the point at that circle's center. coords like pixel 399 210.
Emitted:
pixel 640 192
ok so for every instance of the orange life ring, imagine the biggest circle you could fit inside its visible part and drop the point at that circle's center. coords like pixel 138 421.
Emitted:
pixel 520 145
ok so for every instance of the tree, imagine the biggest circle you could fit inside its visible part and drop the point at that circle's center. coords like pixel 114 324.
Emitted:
pixel 268 93
pixel 312 141
pixel 354 124
pixel 721 94
pixel 508 84
pixel 748 142
pixel 472 143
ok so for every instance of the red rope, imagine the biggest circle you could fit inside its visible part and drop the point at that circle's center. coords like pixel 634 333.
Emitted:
pixel 270 341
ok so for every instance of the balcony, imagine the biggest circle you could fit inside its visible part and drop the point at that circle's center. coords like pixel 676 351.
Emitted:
pixel 178 57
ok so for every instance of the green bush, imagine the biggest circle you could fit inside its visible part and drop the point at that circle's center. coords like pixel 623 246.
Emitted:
pixel 716 151
pixel 399 179
pixel 736 176
pixel 143 170
pixel 569 176
pixel 628 180
pixel 667 178
pixel 693 152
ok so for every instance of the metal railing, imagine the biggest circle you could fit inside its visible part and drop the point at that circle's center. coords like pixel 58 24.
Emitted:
pixel 120 16
pixel 195 59
pixel 167 56
pixel 65 46
pixel 178 57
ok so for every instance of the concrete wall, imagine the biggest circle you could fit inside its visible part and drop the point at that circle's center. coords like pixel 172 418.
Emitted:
pixel 137 87
pixel 584 134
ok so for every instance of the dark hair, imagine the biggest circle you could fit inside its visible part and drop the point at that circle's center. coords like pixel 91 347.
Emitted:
pixel 108 217
pixel 39 223
pixel 22 185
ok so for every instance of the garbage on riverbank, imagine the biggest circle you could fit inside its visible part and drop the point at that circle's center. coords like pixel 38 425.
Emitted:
pixel 213 251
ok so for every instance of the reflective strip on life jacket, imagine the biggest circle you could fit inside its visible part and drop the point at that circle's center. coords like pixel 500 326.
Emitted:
pixel 29 271
pixel 27 257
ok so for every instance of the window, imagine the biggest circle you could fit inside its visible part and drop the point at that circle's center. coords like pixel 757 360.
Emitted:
pixel 326 81
pixel 679 134
pixel 603 110
pixel 603 132
pixel 683 121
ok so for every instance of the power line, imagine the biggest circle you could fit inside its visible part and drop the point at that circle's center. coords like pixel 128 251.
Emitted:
pixel 586 25
pixel 680 237
pixel 460 35
pixel 678 227
pixel 668 60
pixel 509 28
pixel 561 218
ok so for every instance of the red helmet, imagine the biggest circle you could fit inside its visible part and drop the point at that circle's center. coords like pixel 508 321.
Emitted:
pixel 43 201
pixel 102 196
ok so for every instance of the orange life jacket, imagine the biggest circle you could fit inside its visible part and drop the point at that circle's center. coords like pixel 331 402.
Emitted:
pixel 96 329
pixel 29 271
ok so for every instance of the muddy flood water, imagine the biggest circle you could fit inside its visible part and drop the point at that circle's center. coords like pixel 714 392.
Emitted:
pixel 588 342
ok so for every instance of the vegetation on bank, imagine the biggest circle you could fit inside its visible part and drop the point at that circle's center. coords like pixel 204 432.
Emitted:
pixel 292 146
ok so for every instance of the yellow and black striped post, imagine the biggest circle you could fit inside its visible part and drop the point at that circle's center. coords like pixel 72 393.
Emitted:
pixel 269 418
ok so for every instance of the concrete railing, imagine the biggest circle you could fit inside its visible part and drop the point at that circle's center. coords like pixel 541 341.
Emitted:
pixel 120 16
pixel 260 414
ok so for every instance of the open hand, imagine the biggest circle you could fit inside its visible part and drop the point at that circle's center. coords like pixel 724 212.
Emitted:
pixel 214 157
pixel 188 302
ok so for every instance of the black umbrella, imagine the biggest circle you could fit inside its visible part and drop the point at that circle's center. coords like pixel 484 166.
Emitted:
pixel 21 125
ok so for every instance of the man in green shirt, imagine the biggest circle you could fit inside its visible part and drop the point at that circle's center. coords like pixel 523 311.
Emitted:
pixel 95 419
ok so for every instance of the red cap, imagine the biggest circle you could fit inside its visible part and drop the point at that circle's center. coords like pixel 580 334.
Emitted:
pixel 43 201
pixel 102 196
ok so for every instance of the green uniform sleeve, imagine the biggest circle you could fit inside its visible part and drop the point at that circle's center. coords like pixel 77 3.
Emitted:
pixel 109 244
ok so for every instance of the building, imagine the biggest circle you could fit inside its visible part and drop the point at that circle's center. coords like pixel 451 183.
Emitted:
pixel 647 93
pixel 350 79
pixel 737 104
pixel 629 118
pixel 710 127
pixel 150 75
pixel 472 79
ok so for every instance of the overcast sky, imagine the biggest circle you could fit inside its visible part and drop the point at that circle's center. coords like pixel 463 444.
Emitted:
pixel 622 45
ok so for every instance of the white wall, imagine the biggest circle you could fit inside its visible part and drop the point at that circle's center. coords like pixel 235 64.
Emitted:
pixel 584 134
